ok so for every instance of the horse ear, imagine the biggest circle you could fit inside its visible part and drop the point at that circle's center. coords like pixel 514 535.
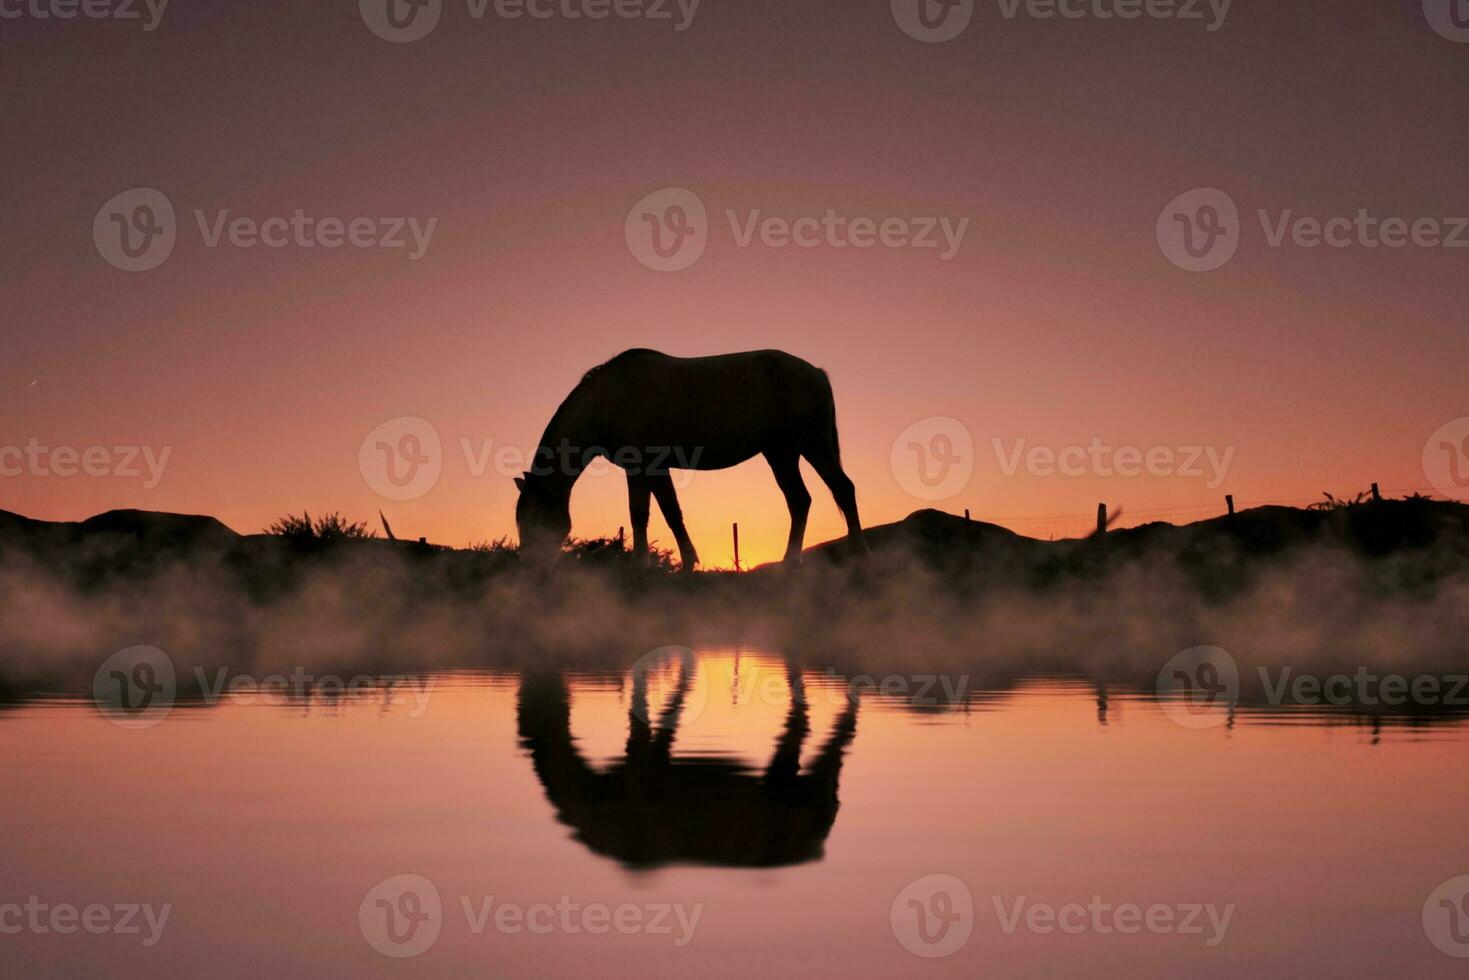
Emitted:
pixel 520 484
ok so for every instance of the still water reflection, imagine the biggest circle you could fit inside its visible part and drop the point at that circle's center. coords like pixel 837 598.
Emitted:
pixel 734 800
pixel 650 808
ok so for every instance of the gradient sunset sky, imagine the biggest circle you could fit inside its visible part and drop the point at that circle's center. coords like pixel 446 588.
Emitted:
pixel 1058 321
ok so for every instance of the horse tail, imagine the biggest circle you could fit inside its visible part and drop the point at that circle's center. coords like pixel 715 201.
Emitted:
pixel 831 416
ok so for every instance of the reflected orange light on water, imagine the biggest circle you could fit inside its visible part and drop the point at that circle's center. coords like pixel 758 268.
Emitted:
pixel 294 812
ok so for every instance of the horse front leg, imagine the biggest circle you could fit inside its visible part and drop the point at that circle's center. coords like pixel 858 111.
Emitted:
pixel 787 470
pixel 639 498
pixel 668 503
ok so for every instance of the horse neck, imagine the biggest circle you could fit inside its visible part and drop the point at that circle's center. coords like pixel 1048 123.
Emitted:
pixel 558 461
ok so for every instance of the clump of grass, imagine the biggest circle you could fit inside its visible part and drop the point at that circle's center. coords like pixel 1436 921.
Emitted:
pixel 608 552
pixel 331 527
pixel 499 546
pixel 1341 503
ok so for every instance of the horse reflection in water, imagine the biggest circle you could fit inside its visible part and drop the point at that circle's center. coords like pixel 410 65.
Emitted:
pixel 650 809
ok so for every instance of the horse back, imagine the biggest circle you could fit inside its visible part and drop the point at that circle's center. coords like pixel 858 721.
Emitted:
pixel 730 406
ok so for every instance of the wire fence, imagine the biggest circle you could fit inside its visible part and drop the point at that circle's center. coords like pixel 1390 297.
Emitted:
pixel 1081 524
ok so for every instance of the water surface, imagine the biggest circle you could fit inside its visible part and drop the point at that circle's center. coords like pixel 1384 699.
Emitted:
pixel 779 835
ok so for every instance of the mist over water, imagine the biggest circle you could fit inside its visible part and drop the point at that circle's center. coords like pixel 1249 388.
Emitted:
pixel 1320 610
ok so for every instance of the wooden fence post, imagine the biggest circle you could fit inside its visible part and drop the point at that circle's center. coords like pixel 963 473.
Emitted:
pixel 737 545
pixel 1229 500
pixel 1376 494
pixel 1101 518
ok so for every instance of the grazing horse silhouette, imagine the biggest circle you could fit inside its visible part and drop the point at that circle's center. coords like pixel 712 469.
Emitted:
pixel 647 412
pixel 649 809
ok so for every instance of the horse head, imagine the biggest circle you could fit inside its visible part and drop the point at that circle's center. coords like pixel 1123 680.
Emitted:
pixel 543 519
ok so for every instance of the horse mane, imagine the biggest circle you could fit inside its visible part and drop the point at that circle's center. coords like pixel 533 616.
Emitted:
pixel 561 409
pixel 613 360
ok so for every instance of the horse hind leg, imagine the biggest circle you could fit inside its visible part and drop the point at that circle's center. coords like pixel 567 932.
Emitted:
pixel 663 492
pixel 787 470
pixel 639 498
pixel 826 461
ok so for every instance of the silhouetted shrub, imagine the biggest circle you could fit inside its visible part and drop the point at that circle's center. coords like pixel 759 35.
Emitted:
pixel 499 546
pixel 332 527
pixel 605 552
pixel 1341 503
